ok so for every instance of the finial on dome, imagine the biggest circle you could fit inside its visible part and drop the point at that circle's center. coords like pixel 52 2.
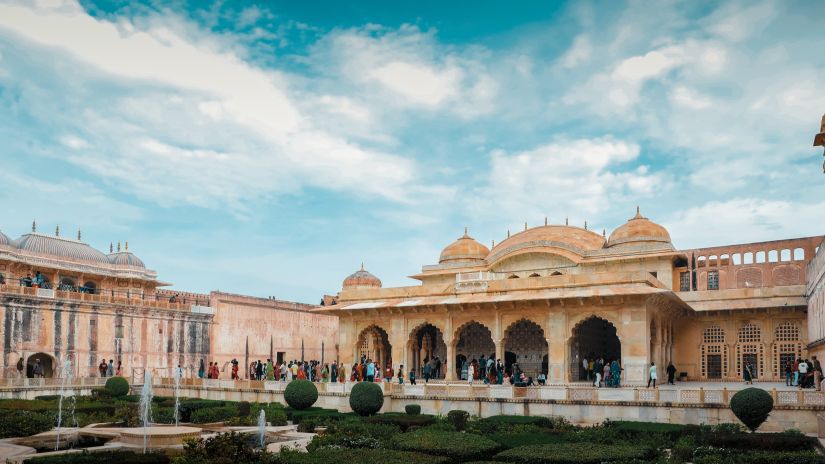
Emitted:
pixel 525 225
pixel 57 231
pixel 118 247
pixel 567 221
pixel 362 265
pixel 585 224
pixel 34 226
pixel 604 232
pixel 78 235
pixel 545 220
pixel 465 231
pixel 127 245
pixel 493 244
pixel 638 214
pixel 508 233
pixel 111 248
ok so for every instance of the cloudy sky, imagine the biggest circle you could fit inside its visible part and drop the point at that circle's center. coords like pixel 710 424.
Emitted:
pixel 270 149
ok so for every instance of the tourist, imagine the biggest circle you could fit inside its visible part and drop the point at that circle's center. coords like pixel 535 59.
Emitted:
pixel 747 374
pixel 333 373
pixel 482 367
pixel 302 373
pixel 796 371
pixel 102 368
pixel 201 370
pixel 270 369
pixel 119 371
pixel 235 369
pixel 342 375
pixel 316 371
pixel 370 370
pixel 500 372
pixel 110 369
pixel 388 372
pixel 803 373
pixel 470 373
pixel 817 371
pixel 216 373
pixel 37 369
pixel 616 373
pixel 788 374
pixel 282 372
pixel 437 367
pixel 401 375
pixel 652 376
pixel 325 374
pixel 426 371
pixel 412 376
pixel 590 365
pixel 585 368
pixel 598 370
pixel 542 379
pixel 671 373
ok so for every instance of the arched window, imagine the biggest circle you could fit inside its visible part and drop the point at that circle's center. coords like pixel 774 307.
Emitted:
pixel 737 259
pixel 512 276
pixel 67 284
pixel 714 355
pixel 534 275
pixel 773 256
pixel 701 262
pixel 89 287
pixel 787 347
pixel 760 257
pixel 798 254
pixel 724 260
pixel 785 255
pixel 749 350
pixel 748 259
pixel 787 332
pixel 712 261
pixel 714 334
pixel 750 333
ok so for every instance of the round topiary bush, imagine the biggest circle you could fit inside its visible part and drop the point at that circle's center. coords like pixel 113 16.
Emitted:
pixel 366 398
pixel 300 394
pixel 244 408
pixel 117 386
pixel 752 406
pixel 458 418
pixel 413 409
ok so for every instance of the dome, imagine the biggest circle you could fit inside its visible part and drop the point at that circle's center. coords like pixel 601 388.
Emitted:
pixel 125 258
pixel 573 239
pixel 4 240
pixel 639 229
pixel 362 279
pixel 464 249
pixel 59 247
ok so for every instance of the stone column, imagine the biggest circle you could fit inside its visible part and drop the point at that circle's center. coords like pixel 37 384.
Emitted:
pixel 449 374
pixel 557 351
pixel 499 349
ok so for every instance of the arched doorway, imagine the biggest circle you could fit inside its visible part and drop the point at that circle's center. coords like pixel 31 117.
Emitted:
pixel 474 340
pixel 46 365
pixel 593 338
pixel 427 346
pixel 525 339
pixel 374 344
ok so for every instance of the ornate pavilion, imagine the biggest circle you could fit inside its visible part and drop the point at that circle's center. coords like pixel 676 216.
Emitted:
pixel 549 296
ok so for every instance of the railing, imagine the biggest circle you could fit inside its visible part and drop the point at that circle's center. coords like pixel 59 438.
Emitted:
pixel 51 382
pixel 113 298
pixel 698 396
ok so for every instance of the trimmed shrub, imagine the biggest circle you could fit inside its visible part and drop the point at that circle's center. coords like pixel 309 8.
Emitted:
pixel 188 406
pixel 455 445
pixel 345 455
pixel 366 398
pixel 244 408
pixel 535 437
pixel 405 421
pixel 101 394
pixel 104 457
pixel 47 397
pixel 298 417
pixel 412 409
pixel 17 423
pixel 458 418
pixel 575 453
pixel 752 406
pixel 163 415
pixel 224 448
pixel 640 429
pixel 355 434
pixel 761 442
pixel 117 386
pixel 300 394
pixel 208 415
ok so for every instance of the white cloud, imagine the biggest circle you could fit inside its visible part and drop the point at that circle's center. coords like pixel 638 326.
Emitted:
pixel 75 142
pixel 419 83
pixel 580 52
pixel 688 98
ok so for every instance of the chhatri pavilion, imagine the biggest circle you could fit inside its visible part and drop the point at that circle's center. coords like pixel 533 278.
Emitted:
pixel 550 296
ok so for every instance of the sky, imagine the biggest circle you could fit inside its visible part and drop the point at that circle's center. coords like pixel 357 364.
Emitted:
pixel 269 149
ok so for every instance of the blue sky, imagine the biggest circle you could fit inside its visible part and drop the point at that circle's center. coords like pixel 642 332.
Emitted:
pixel 270 149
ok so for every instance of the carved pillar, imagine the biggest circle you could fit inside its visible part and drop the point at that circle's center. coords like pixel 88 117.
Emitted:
pixel 449 374
pixel 499 349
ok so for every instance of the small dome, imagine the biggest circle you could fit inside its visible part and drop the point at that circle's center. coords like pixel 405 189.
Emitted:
pixel 59 247
pixel 639 229
pixel 4 240
pixel 125 258
pixel 362 279
pixel 464 249
pixel 571 237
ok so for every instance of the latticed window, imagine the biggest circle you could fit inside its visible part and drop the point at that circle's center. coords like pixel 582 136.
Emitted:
pixel 714 334
pixel 750 333
pixel 713 280
pixel 684 281
pixel 787 332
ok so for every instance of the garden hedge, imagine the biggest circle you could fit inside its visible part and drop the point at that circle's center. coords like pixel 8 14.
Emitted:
pixel 208 415
pixel 455 445
pixel 353 456
pixel 412 409
pixel 300 394
pixel 18 423
pixel 575 453
pixel 366 398
pixel 404 421
pixel 104 457
pixel 458 418
pixel 117 386
pixel 752 406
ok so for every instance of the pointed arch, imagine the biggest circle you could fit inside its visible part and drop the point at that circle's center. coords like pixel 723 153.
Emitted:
pixel 593 336
pixel 374 343
pixel 426 345
pixel 472 339
pixel 526 340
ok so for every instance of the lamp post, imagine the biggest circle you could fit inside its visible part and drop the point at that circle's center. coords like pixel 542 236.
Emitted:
pixel 819 139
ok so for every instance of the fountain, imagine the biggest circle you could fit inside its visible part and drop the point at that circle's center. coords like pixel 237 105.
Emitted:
pixel 178 374
pixel 66 376
pixel 262 428
pixel 146 405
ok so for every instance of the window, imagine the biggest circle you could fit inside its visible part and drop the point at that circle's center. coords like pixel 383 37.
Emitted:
pixel 713 280
pixel 760 257
pixel 714 334
pixel 748 258
pixel 684 281
pixel 750 333
pixel 798 254
pixel 785 255
pixel 787 332
pixel 701 261
pixel 119 330
pixel 773 256
pixel 654 274
pixel 737 259
pixel 724 260
pixel 712 261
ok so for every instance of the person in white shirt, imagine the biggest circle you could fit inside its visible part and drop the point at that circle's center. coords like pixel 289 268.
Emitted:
pixel 585 365
pixel 470 373
pixel 652 375
pixel 803 372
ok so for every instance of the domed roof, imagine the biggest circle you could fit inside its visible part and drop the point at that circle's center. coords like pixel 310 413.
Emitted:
pixel 59 247
pixel 464 249
pixel 639 229
pixel 574 239
pixel 4 240
pixel 125 258
pixel 362 279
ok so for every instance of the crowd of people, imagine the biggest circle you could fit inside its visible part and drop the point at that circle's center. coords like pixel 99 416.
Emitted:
pixel 802 373
pixel 602 372
pixel 109 370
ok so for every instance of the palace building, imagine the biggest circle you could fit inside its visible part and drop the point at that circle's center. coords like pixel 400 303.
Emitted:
pixel 551 296
pixel 63 300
